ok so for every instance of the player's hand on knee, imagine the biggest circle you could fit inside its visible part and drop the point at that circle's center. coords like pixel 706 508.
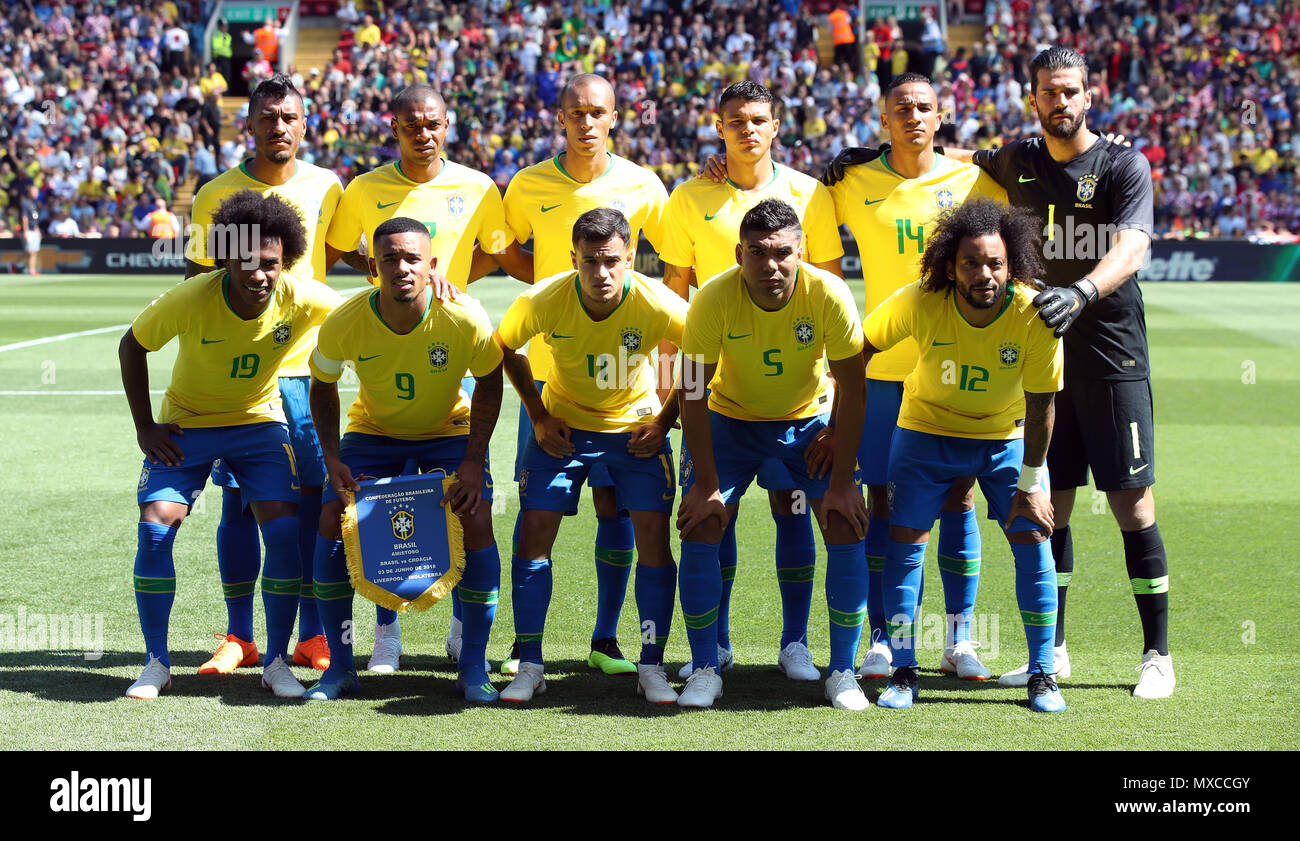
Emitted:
pixel 851 156
pixel 817 458
pixel 714 169
pixel 847 502
pixel 466 493
pixel 340 477
pixel 1035 507
pixel 156 443
pixel 553 436
pixel 647 440
pixel 698 507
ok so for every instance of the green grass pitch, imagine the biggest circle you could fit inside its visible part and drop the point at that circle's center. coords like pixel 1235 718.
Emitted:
pixel 1227 388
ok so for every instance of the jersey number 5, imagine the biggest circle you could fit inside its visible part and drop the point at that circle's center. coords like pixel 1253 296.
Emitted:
pixel 770 360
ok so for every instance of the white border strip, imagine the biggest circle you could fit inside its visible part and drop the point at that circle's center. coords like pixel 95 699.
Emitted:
pixel 62 336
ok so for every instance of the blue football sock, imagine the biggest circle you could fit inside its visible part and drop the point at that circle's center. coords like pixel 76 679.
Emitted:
pixel 700 581
pixel 656 588
pixel 877 547
pixel 333 591
pixel 902 583
pixel 530 595
pixel 155 585
pixel 239 556
pixel 1036 597
pixel 384 616
pixel 281 584
pixel 727 563
pixel 309 506
pixel 959 569
pixel 614 553
pixel 846 602
pixel 796 557
pixel 478 597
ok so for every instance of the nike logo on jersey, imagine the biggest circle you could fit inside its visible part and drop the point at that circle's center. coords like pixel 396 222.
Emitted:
pixel 382 206
pixel 708 218
pixel 546 209
pixel 1133 472
pixel 873 201
pixel 210 341
pixel 560 336
pixel 1024 180
pixel 741 336
pixel 361 358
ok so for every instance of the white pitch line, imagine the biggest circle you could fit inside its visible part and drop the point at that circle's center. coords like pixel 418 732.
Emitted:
pixel 62 336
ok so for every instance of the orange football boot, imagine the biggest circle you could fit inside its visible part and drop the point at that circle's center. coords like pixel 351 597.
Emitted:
pixel 230 655
pixel 314 652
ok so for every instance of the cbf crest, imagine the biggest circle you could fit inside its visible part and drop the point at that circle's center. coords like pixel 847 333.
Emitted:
pixel 455 204
pixel 945 199
pixel 804 332
pixel 630 339
pixel 282 332
pixel 403 524
pixel 439 356
pixel 1087 187
pixel 1009 355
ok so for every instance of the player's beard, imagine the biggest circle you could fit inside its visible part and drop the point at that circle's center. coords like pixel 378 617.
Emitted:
pixel 1065 130
pixel 977 304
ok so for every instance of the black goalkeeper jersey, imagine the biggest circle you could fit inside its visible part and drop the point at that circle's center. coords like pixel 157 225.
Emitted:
pixel 1082 203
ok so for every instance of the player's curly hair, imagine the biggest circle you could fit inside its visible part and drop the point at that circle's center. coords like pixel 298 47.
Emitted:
pixel 247 214
pixel 976 218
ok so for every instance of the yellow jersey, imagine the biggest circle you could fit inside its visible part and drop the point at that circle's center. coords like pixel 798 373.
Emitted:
pixel 543 201
pixel 227 368
pixel 603 378
pixel 410 382
pixel 969 382
pixel 888 216
pixel 702 223
pixel 313 191
pixel 770 363
pixel 459 206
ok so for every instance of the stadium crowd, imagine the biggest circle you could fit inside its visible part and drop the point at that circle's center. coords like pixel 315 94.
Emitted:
pixel 105 117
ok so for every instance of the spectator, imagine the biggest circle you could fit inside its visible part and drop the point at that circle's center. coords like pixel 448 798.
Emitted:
pixel 222 49
pixel 845 38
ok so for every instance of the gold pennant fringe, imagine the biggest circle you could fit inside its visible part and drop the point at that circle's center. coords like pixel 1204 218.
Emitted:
pixel 384 598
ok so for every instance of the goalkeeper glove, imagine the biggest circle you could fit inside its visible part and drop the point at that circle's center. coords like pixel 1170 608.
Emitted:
pixel 1060 306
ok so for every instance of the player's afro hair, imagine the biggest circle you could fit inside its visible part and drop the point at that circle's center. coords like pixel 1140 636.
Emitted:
pixel 397 225
pixel 600 224
pixel 274 89
pixel 769 216
pixel 977 218
pixel 248 218
pixel 746 91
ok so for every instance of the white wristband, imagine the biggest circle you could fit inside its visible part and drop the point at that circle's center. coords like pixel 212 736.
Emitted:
pixel 1033 479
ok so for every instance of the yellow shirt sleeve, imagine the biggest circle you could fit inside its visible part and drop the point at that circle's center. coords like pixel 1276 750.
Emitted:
pixel 654 220
pixel 891 322
pixel 678 246
pixel 345 226
pixel 494 235
pixel 196 250
pixel 1044 370
pixel 521 321
pixel 702 335
pixel 843 329
pixel 164 319
pixel 516 216
pixel 821 230
pixel 486 355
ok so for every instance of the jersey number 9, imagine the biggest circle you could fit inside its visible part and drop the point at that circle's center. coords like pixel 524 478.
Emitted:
pixel 405 386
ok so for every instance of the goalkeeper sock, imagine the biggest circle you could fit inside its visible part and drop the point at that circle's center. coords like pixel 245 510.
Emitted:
pixel 155 585
pixel 614 551
pixel 1063 553
pixel 877 547
pixel 795 561
pixel 239 557
pixel 309 506
pixel 1036 598
pixel 656 589
pixel 281 584
pixel 1148 570
pixel 530 594
pixel 478 597
pixel 700 582
pixel 846 601
pixel 959 570
pixel 333 592
pixel 902 583
pixel 727 563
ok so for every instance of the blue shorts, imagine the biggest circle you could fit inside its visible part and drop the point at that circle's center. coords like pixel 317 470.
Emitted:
pixel 258 454
pixel 381 457
pixel 884 399
pixel 598 477
pixel 554 484
pixel 302 437
pixel 751 447
pixel 923 467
